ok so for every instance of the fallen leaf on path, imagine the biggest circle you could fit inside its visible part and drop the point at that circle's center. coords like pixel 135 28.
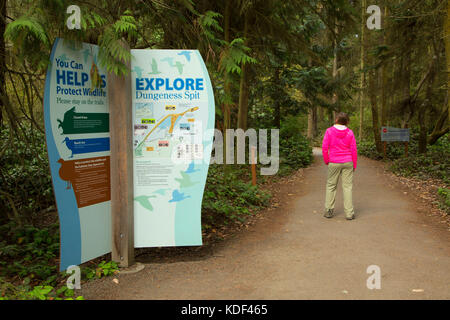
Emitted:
pixel 116 281
pixel 345 291
pixel 418 290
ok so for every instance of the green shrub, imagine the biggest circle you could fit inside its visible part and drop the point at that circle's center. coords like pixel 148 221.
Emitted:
pixel 25 180
pixel 29 252
pixel 25 291
pixel 229 197
pixel 443 144
pixel 444 195
pixel 394 150
pixel 434 164
pixel 103 269
pixel 295 148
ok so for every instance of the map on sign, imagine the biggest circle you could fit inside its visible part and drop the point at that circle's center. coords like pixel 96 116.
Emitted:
pixel 167 130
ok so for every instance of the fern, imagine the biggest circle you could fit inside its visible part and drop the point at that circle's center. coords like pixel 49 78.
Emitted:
pixel 189 4
pixel 92 20
pixel 30 39
pixel 211 28
pixel 235 55
pixel 112 53
pixel 26 26
pixel 125 25
pixel 209 21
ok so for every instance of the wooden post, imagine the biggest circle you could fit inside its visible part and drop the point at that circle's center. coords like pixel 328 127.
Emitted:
pixel 406 149
pixel 384 149
pixel 253 164
pixel 121 131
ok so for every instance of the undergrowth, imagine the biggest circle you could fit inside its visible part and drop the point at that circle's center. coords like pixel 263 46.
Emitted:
pixel 434 164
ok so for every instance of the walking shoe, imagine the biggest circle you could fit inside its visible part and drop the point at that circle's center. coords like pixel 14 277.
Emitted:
pixel 351 217
pixel 328 213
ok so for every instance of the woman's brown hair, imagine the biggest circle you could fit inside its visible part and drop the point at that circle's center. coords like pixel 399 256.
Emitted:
pixel 342 118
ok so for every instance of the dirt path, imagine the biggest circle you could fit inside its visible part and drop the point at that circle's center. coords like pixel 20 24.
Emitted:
pixel 298 254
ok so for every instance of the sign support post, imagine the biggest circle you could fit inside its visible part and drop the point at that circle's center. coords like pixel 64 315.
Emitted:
pixel 121 124
pixel 253 164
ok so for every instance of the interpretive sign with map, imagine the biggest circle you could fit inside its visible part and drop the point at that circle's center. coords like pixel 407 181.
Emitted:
pixel 173 115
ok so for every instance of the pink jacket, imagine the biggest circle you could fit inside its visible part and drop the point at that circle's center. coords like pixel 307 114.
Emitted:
pixel 339 146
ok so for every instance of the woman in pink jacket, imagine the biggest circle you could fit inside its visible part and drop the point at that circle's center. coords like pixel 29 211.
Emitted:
pixel 340 154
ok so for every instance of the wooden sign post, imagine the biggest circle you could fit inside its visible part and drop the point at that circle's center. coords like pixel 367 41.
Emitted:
pixel 121 130
pixel 253 164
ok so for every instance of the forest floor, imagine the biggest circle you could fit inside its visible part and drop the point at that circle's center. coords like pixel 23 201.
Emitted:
pixel 293 252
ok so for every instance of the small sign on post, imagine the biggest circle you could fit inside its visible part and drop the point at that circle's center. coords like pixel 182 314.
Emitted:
pixel 390 134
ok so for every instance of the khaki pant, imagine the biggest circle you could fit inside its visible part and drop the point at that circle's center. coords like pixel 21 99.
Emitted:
pixel 336 170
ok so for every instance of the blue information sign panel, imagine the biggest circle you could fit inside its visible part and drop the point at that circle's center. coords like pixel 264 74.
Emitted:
pixel 76 115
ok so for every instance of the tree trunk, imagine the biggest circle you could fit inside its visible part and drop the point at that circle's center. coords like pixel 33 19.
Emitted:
pixel 423 130
pixel 384 75
pixel 373 104
pixel 227 84
pixel 406 90
pixel 363 74
pixel 243 88
pixel 426 105
pixel 331 117
pixel 320 113
pixel 335 67
pixel 447 55
pixel 277 105
pixel 440 128
pixel 2 57
pixel 243 98
pixel 312 123
pixel 384 84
